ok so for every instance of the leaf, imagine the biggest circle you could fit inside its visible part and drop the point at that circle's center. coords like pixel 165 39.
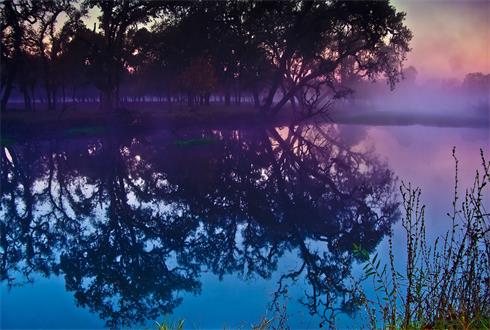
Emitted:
pixel 384 270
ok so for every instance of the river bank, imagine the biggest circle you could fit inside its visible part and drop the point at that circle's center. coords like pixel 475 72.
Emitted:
pixel 19 125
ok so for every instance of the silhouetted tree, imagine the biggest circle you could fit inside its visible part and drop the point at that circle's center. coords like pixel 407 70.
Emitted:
pixel 47 39
pixel 477 82
pixel 115 19
pixel 15 17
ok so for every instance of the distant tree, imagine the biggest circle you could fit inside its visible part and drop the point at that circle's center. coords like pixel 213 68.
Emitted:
pixel 198 79
pixel 410 74
pixel 477 82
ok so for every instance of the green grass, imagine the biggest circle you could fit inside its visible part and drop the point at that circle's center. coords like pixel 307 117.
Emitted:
pixel 170 325
pixel 194 142
pixel 6 141
pixel 84 131
pixel 92 121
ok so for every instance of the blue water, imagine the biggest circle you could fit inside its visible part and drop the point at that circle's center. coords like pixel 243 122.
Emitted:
pixel 201 224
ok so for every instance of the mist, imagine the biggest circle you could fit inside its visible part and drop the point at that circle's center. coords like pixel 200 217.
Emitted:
pixel 440 100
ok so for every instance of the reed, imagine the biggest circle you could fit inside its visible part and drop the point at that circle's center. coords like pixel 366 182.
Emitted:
pixel 445 284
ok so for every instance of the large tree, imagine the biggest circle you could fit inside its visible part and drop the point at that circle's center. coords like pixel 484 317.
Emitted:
pixel 307 41
pixel 57 22
pixel 115 19
pixel 15 16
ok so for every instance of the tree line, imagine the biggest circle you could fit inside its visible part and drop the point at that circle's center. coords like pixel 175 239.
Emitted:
pixel 268 52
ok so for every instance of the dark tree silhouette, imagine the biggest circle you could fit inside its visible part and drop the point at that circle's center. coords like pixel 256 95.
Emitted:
pixel 269 53
pixel 15 16
pixel 115 20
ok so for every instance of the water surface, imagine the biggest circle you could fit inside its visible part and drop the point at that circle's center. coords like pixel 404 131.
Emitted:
pixel 214 226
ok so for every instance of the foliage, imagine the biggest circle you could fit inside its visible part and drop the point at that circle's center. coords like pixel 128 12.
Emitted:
pixel 169 325
pixel 273 51
pixel 194 142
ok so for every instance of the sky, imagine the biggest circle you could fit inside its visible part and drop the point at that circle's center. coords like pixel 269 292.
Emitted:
pixel 451 37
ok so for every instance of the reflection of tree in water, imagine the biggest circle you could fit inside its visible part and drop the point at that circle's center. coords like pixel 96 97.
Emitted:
pixel 134 222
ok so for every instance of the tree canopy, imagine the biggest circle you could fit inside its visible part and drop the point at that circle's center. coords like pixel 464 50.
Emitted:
pixel 269 52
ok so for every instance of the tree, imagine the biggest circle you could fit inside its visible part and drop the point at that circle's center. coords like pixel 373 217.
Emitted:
pixel 308 41
pixel 198 79
pixel 410 74
pixel 47 39
pixel 115 19
pixel 15 16
pixel 77 61
pixel 477 82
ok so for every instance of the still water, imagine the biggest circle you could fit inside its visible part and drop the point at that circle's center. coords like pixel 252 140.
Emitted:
pixel 218 227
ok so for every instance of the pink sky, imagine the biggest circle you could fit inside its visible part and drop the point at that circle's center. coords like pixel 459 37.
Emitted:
pixel 451 38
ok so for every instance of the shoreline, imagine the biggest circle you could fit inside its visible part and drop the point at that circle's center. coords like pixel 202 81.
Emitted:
pixel 20 125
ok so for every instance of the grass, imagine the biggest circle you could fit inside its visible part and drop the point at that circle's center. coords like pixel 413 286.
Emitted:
pixel 170 325
pixel 445 284
pixel 19 124
pixel 5 141
pixel 163 113
pixel 264 324
pixel 84 130
pixel 194 142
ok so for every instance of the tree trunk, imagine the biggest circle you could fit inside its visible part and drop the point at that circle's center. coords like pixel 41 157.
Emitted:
pixel 256 98
pixel 106 100
pixel 6 92
pixel 11 19
pixel 27 99
pixel 227 98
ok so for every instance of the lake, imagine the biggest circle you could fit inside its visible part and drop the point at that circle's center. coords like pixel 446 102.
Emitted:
pixel 219 227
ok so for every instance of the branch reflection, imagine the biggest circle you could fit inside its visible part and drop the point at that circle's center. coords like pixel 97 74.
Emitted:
pixel 130 223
